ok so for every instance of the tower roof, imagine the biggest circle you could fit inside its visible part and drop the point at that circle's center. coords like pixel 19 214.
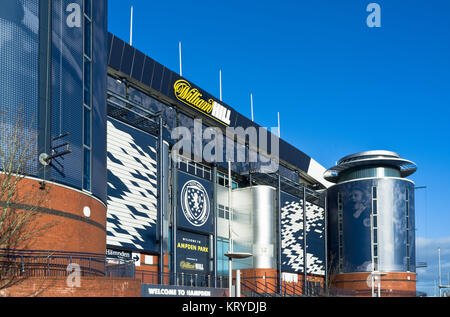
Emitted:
pixel 370 158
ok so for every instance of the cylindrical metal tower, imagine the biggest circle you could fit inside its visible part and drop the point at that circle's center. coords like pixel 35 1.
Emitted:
pixel 371 224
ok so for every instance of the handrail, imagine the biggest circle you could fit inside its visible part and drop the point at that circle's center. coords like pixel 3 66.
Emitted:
pixel 53 252
pixel 255 289
pixel 57 263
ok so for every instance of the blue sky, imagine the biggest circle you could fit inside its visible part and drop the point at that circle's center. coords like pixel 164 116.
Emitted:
pixel 340 86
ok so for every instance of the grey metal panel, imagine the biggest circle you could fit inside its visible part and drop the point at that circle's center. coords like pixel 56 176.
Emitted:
pixel 263 227
pixel 392 224
pixel 99 118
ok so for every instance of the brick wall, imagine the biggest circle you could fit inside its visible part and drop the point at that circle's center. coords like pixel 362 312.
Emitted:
pixel 392 284
pixel 69 228
pixel 89 287
pixel 148 273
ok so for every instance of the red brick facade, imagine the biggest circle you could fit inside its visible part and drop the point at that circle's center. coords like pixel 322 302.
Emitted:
pixel 391 284
pixel 89 287
pixel 70 229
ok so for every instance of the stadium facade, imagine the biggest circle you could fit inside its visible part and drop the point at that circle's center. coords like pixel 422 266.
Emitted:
pixel 139 161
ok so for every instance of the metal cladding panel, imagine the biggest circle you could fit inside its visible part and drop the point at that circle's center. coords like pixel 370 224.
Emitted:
pixel 115 58
pixel 138 65
pixel 19 65
pixel 264 238
pixel 132 220
pixel 194 203
pixel 332 228
pixel 392 224
pixel 147 75
pixel 292 257
pixel 167 79
pixel 67 95
pixel 294 156
pixel 158 73
pixel 99 120
pixel 127 59
pixel 110 40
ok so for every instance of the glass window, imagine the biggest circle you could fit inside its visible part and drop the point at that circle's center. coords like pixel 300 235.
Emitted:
pixel 222 260
pixel 86 169
pixel 87 37
pixel 88 7
pixel 87 126
pixel 87 83
pixel 221 211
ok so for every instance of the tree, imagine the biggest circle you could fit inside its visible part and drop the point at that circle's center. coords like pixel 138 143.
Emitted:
pixel 20 199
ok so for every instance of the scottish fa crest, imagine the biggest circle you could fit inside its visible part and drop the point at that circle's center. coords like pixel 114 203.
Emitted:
pixel 195 203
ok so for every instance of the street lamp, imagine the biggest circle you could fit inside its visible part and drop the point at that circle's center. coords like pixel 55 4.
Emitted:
pixel 231 254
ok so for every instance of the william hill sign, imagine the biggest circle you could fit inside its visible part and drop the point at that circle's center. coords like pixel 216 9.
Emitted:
pixel 192 97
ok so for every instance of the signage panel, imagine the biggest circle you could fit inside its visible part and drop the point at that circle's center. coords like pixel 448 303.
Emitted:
pixel 201 102
pixel 194 203
pixel 150 290
pixel 192 253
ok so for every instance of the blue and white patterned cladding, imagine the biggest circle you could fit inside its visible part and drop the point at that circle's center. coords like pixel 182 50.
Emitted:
pixel 292 236
pixel 132 188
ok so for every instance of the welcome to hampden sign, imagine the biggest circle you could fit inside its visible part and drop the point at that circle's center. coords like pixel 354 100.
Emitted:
pixel 150 290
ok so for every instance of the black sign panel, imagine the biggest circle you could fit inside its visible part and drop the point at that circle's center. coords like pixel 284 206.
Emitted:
pixel 192 253
pixel 194 203
pixel 150 290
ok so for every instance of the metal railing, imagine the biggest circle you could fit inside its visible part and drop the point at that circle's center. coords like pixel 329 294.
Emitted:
pixel 25 263
pixel 180 279
pixel 253 286
pixel 268 286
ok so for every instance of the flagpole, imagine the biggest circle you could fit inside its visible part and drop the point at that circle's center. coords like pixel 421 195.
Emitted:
pixel 131 27
pixel 181 66
pixel 251 104
pixel 220 83
pixel 279 127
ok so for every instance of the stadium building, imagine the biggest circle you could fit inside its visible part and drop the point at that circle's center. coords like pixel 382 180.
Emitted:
pixel 155 182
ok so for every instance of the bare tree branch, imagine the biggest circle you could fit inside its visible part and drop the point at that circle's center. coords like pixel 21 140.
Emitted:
pixel 19 199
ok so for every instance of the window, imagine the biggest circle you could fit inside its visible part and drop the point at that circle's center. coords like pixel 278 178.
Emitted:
pixel 193 168
pixel 87 169
pixel 341 232
pixel 222 260
pixel 222 180
pixel 224 212
pixel 87 95
pixel 87 127
pixel 87 82
pixel 374 229
pixel 408 232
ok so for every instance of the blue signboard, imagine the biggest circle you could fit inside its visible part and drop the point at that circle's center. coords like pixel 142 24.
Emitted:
pixel 194 203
